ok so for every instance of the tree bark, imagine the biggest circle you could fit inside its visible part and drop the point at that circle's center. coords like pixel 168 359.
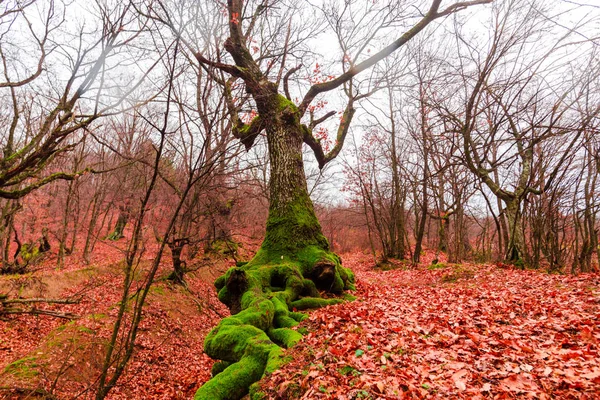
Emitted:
pixel 120 226
pixel 516 240
pixel 292 223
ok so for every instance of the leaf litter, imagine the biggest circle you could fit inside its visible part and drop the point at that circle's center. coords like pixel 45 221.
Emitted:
pixel 464 332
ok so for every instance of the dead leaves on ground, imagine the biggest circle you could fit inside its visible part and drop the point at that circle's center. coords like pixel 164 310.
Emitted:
pixel 488 333
pixel 40 354
pixel 455 332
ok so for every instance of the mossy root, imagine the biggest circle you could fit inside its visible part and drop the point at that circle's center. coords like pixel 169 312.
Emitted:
pixel 260 295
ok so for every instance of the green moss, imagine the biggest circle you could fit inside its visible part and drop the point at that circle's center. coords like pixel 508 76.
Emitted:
pixel 290 230
pixel 219 367
pixel 23 368
pixel 303 331
pixel 312 303
pixel 310 289
pixel 348 297
pixel 29 253
pixel 519 263
pixel 349 370
pixel 276 360
pixel 229 339
pixel 260 314
pixel 159 290
pixel 285 337
pixel 233 382
pixel 282 315
pixel 259 396
pixel 224 247
pixel 286 105
pixel 220 282
pixel 338 284
pixel 244 129
pixel 298 316
pixel 436 266
pixel 85 329
pixel 262 291
pixel 260 356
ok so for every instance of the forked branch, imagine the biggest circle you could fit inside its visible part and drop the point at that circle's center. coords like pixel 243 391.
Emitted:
pixel 433 13
pixel 315 144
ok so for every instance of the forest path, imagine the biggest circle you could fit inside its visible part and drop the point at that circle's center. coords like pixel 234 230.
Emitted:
pixel 460 331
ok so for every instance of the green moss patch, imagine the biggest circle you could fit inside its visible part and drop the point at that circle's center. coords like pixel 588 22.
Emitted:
pixel 23 368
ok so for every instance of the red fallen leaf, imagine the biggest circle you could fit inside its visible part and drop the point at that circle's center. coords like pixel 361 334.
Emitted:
pixel 459 382
pixel 587 334
pixel 456 365
pixel 518 383
pixel 570 355
pixel 336 351
pixel 461 385
pixel 524 347
pixel 593 375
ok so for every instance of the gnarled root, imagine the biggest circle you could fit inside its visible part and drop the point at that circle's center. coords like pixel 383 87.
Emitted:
pixel 260 294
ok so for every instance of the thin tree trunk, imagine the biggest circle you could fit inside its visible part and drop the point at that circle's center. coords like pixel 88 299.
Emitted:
pixel 516 241
pixel 64 227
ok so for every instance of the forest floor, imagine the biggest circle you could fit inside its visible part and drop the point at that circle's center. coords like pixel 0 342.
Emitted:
pixel 444 331
pixel 47 357
pixel 456 331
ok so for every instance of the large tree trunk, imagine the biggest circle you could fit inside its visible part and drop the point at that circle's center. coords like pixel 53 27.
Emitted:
pixel 292 223
pixel 292 263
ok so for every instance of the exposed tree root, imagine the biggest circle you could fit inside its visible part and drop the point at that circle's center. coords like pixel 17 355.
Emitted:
pixel 260 295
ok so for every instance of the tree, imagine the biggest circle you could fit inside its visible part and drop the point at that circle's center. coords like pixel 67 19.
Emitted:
pixel 294 259
pixel 507 101
pixel 375 184
pixel 50 108
pixel 42 127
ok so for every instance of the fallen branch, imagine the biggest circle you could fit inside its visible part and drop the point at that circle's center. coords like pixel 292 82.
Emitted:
pixel 35 311
pixel 14 306
pixel 39 300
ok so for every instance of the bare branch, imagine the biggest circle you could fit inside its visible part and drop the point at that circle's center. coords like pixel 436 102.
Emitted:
pixel 431 15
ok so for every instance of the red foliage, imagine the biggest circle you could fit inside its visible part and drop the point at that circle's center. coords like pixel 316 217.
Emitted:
pixel 457 332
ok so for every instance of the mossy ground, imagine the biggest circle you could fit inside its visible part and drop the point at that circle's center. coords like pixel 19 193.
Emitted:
pixel 23 368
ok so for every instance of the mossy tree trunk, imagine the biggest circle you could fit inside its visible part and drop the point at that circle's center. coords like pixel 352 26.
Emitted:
pixel 179 266
pixel 516 240
pixel 117 233
pixel 293 262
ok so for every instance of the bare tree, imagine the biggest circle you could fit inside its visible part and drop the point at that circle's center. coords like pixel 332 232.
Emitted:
pixel 508 108
pixel 294 246
pixel 42 127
